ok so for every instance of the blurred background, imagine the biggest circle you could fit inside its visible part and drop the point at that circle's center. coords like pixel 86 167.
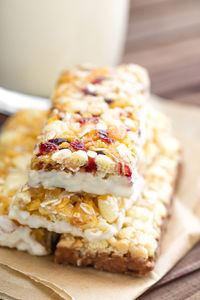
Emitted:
pixel 164 37
pixel 39 38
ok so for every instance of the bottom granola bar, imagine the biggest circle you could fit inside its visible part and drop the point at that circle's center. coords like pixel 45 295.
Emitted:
pixel 136 246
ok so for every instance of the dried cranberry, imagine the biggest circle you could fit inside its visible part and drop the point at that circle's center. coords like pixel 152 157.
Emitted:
pixel 86 91
pixel 92 166
pixel 82 121
pixel 78 145
pixel 103 134
pixel 125 170
pixel 108 101
pixel 58 141
pixel 98 80
pixel 47 147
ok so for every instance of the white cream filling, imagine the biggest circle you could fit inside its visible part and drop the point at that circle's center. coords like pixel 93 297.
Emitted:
pixel 82 182
pixel 92 234
pixel 19 237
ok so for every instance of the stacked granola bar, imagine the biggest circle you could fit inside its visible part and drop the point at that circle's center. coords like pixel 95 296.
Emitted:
pixel 135 246
pixel 102 172
pixel 16 145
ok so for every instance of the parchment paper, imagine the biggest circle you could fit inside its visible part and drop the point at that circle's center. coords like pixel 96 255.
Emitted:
pixel 27 277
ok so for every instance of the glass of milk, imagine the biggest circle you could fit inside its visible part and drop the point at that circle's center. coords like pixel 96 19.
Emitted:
pixel 39 38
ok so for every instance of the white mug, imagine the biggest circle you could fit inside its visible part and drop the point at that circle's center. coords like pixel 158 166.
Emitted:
pixel 39 38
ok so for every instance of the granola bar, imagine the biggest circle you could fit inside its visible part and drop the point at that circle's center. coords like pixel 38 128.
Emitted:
pixel 92 216
pixel 16 145
pixel 136 246
pixel 93 136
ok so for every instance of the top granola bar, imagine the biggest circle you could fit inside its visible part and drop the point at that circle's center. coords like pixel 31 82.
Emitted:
pixel 94 132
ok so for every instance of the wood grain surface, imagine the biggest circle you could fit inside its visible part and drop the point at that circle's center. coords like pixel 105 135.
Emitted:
pixel 164 37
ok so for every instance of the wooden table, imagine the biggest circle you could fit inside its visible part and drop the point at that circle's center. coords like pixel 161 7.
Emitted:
pixel 164 37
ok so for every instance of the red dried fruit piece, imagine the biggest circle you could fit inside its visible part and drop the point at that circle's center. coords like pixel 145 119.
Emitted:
pixel 78 145
pixel 92 166
pixel 45 148
pixel 58 141
pixel 82 121
pixel 103 134
pixel 86 91
pixel 125 170
pixel 98 80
